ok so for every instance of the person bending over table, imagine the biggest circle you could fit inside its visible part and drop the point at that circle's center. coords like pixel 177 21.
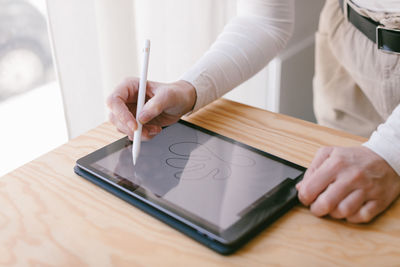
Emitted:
pixel 356 89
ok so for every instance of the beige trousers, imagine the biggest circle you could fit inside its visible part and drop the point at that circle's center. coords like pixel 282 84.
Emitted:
pixel 356 86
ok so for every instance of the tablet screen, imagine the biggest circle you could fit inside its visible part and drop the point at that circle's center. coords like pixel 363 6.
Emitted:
pixel 199 177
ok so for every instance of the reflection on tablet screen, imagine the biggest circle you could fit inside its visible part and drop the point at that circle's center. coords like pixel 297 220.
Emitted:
pixel 212 178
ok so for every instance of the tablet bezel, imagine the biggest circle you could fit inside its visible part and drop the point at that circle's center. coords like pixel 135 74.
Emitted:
pixel 279 196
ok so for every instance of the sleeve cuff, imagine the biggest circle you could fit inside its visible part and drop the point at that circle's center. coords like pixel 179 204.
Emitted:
pixel 389 151
pixel 204 86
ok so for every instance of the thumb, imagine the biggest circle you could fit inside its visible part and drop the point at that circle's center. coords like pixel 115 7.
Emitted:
pixel 154 107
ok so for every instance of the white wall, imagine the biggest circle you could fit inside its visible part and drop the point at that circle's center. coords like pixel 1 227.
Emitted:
pixel 180 32
pixel 285 85
pixel 116 33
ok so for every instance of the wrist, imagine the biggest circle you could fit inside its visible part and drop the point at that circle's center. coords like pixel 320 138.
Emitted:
pixel 189 95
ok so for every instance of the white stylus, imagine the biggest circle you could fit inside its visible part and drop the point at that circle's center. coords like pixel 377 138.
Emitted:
pixel 137 136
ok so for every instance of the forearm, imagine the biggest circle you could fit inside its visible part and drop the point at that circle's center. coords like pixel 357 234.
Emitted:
pixel 247 43
pixel 385 141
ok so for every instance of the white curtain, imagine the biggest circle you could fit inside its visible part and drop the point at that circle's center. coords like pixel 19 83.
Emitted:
pixel 96 44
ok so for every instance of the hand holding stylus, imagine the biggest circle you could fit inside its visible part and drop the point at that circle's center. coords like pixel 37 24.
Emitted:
pixel 166 104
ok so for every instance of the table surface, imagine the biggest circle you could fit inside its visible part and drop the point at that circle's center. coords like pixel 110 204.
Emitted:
pixel 51 216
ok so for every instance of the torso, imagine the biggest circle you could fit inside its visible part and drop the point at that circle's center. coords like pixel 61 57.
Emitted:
pixel 390 6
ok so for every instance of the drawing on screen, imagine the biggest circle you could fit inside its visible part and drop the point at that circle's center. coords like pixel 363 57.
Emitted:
pixel 196 161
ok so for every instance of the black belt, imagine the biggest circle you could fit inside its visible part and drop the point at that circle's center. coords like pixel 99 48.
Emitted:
pixel 387 40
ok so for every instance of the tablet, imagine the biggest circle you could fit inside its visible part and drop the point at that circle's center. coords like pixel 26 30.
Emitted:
pixel 221 189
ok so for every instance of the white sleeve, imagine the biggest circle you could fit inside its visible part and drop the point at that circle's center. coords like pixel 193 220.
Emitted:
pixel 248 42
pixel 385 141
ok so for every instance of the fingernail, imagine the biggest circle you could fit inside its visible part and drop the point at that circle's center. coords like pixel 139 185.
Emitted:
pixel 144 116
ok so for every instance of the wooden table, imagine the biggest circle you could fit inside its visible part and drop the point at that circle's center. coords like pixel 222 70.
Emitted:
pixel 51 216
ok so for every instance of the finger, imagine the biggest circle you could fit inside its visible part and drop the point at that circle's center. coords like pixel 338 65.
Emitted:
pixel 127 91
pixel 121 111
pixel 350 205
pixel 367 212
pixel 318 181
pixel 121 127
pixel 155 106
pixel 150 131
pixel 319 158
pixel 321 155
pixel 327 201
pixel 118 102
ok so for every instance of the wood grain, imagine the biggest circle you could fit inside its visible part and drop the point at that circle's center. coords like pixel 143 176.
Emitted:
pixel 50 216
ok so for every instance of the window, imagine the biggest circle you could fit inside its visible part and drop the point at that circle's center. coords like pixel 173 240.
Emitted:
pixel 31 109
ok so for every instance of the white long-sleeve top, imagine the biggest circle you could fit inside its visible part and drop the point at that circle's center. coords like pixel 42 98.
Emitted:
pixel 250 40
pixel 385 141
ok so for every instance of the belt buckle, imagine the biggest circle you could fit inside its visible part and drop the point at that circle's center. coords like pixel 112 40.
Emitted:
pixel 379 44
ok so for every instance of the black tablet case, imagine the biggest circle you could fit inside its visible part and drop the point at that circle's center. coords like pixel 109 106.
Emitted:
pixel 288 190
